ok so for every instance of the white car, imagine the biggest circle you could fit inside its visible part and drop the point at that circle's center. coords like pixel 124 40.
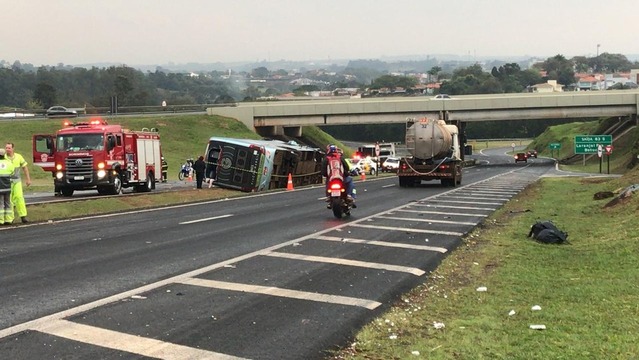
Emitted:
pixel 366 165
pixel 441 97
pixel 391 164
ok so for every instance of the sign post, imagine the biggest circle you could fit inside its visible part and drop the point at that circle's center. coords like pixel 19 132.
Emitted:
pixel 377 156
pixel 608 152
pixel 587 144
pixel 600 155
pixel 554 146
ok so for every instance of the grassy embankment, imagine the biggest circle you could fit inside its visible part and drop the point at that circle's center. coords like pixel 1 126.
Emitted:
pixel 587 289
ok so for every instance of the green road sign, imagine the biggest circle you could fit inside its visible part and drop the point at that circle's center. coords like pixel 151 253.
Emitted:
pixel 555 146
pixel 587 144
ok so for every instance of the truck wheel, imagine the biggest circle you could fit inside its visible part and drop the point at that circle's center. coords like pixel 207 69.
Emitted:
pixel 68 192
pixel 150 182
pixel 402 182
pixel 116 189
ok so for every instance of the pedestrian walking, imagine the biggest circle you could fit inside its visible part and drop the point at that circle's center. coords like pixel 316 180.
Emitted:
pixel 6 172
pixel 199 167
pixel 17 197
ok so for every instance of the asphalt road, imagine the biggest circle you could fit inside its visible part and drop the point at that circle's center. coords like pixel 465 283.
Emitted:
pixel 267 276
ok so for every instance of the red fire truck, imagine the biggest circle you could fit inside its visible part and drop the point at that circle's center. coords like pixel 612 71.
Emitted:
pixel 96 155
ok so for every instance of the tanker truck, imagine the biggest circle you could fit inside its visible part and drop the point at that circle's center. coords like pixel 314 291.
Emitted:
pixel 434 148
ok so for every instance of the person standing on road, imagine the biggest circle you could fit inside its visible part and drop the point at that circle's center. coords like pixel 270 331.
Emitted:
pixel 200 168
pixel 6 172
pixel 17 197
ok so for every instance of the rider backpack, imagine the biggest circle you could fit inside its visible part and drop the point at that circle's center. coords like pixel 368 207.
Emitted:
pixel 335 168
pixel 546 232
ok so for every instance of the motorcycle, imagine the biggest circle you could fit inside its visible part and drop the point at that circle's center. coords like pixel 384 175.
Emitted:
pixel 338 199
pixel 186 170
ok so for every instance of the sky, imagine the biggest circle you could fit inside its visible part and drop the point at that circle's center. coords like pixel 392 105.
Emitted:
pixel 146 32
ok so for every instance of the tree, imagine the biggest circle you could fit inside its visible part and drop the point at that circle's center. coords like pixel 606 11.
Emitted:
pixel 433 73
pixel 260 73
pixel 305 89
pixel 560 69
pixel 45 94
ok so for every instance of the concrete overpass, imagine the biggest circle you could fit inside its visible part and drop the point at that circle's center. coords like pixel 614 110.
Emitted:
pixel 288 117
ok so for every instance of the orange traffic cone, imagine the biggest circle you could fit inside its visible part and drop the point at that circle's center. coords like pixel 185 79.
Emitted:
pixel 362 175
pixel 190 175
pixel 289 184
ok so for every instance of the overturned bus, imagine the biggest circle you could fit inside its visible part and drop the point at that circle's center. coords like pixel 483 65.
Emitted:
pixel 258 165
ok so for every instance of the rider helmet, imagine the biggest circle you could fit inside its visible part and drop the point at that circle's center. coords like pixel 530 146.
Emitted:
pixel 331 149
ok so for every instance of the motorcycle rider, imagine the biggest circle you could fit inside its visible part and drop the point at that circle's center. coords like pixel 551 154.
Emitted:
pixel 335 166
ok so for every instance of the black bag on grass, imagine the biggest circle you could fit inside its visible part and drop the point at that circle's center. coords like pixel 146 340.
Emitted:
pixel 546 232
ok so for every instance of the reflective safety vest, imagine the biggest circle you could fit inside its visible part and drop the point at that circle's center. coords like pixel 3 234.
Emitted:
pixel 6 172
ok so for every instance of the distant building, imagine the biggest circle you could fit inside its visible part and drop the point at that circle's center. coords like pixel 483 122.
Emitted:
pixel 547 87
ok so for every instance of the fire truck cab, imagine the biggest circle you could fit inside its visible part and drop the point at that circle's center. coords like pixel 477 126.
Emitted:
pixel 96 155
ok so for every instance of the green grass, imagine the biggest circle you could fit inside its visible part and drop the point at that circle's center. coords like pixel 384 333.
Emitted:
pixel 588 289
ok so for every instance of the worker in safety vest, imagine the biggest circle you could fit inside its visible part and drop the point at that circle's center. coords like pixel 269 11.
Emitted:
pixel 6 172
pixel 17 197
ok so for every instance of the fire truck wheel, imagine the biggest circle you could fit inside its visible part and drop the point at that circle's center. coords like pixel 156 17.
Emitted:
pixel 117 186
pixel 150 182
pixel 66 192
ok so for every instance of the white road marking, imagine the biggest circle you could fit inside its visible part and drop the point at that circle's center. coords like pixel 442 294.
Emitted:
pixel 340 261
pixel 392 228
pixel 473 195
pixel 428 220
pixel 389 185
pixel 439 213
pixel 454 207
pixel 287 293
pixel 477 198
pixel 384 243
pixel 205 219
pixel 465 202
pixel 126 342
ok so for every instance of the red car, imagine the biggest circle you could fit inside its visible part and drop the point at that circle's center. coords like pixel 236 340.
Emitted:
pixel 521 157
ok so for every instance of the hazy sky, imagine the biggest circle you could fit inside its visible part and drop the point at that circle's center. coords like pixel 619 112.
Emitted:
pixel 144 32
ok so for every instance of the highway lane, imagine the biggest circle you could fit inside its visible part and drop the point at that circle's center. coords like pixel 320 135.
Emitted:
pixel 273 276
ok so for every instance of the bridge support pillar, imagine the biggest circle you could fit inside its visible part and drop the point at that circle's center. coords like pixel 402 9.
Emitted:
pixel 293 131
pixel 269 131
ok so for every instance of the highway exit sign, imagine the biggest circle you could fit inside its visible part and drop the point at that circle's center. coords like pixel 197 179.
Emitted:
pixel 588 144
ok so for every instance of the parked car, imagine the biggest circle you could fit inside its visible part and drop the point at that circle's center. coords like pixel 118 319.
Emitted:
pixel 521 157
pixel 60 111
pixel 391 164
pixel 532 153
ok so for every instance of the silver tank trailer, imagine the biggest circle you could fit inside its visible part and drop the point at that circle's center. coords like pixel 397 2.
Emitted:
pixel 428 138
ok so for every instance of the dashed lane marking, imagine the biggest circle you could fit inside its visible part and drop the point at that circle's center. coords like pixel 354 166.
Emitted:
pixel 340 261
pixel 454 207
pixel 384 243
pixel 438 213
pixel 424 231
pixel 205 219
pixel 428 220
pixel 478 198
pixel 130 343
pixel 465 202
pixel 287 293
